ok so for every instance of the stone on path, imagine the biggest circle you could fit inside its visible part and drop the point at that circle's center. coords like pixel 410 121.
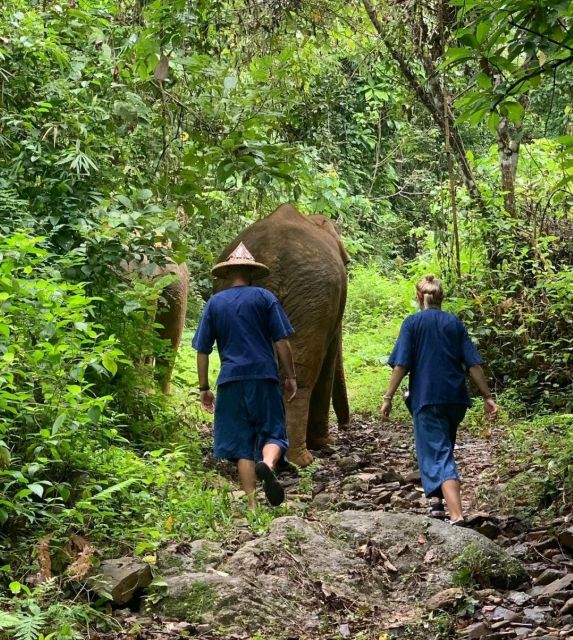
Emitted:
pixel 566 538
pixel 445 599
pixel 357 562
pixel 121 578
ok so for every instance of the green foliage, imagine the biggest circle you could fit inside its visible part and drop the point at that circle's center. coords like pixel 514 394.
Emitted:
pixel 538 454
pixel 138 133
pixel 376 306
pixel 53 354
pixel 515 43
pixel 44 613
pixel 474 566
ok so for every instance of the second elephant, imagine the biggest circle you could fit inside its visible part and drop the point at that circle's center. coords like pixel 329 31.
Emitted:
pixel 307 262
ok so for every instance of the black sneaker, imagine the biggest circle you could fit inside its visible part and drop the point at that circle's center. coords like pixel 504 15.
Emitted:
pixel 459 523
pixel 272 487
pixel 437 510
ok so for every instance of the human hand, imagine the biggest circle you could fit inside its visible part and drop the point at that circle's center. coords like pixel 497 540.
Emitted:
pixel 490 408
pixel 385 409
pixel 290 388
pixel 208 401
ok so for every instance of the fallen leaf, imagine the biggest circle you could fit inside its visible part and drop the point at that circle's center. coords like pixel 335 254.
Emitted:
pixel 430 556
pixel 388 565
pixel 344 630
pixel 422 540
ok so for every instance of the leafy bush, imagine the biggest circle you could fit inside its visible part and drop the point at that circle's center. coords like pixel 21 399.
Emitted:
pixel 53 356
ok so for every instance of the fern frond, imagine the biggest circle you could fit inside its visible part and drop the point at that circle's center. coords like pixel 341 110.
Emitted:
pixel 30 627
pixel 8 620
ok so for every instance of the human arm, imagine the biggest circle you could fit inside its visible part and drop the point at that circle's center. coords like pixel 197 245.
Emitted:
pixel 284 353
pixel 473 362
pixel 478 376
pixel 401 360
pixel 398 374
pixel 206 395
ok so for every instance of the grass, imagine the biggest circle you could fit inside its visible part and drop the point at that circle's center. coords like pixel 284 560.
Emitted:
pixel 477 567
pixel 376 308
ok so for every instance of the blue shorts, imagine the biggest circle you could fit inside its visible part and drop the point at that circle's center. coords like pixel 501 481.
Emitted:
pixel 249 414
pixel 435 430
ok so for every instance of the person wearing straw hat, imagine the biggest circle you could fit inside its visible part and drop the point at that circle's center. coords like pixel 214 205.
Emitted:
pixel 246 321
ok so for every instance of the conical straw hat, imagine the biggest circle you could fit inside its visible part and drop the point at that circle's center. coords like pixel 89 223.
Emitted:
pixel 241 256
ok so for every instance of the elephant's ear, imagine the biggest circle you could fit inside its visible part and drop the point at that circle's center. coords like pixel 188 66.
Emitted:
pixel 343 253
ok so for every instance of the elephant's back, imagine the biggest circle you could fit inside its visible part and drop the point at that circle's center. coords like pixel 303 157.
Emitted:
pixel 307 270
pixel 287 241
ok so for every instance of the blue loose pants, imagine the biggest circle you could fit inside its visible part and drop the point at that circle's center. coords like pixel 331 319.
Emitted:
pixel 249 414
pixel 435 430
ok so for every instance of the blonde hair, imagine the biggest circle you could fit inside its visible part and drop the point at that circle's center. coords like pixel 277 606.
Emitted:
pixel 431 290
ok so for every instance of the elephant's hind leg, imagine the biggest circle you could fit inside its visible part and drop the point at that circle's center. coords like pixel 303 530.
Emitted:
pixel 171 317
pixel 317 432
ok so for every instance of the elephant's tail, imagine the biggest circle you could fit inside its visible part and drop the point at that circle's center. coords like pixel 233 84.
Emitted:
pixel 339 392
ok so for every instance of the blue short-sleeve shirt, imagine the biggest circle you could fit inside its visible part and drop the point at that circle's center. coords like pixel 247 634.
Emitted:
pixel 244 322
pixel 435 347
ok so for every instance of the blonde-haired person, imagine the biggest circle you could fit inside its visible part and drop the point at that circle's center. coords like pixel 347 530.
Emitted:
pixel 435 349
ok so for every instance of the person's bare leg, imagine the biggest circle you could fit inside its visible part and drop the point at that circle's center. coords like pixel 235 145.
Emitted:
pixel 248 479
pixel 264 470
pixel 451 491
pixel 271 455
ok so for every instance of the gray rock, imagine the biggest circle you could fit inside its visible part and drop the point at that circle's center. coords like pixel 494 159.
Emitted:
pixel 566 608
pixel 566 538
pixel 348 464
pixel 392 532
pixel 537 615
pixel 413 476
pixel 392 475
pixel 347 561
pixel 176 558
pixel 323 500
pixel 518 597
pixel 557 585
pixel 549 575
pixel 445 599
pixel 501 613
pixel 121 578
pixel 256 584
pixel 475 631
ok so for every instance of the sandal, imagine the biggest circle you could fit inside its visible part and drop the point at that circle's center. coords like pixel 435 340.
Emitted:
pixel 272 487
pixel 459 523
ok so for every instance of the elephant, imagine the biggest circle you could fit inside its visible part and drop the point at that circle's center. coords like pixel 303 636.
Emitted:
pixel 170 315
pixel 307 262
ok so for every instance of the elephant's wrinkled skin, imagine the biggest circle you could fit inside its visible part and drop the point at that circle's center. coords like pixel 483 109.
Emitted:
pixel 308 275
pixel 171 312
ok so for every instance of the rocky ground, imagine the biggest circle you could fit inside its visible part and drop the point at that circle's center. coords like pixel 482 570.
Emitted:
pixel 361 559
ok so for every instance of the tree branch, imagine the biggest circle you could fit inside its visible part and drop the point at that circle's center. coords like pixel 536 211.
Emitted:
pixel 533 74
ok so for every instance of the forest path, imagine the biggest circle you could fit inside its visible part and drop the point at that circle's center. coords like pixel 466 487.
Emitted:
pixel 371 469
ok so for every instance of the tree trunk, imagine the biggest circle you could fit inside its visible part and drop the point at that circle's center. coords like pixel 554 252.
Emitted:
pixel 508 146
pixel 433 99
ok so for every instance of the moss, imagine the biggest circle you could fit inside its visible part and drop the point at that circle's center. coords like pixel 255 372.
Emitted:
pixel 487 569
pixel 200 599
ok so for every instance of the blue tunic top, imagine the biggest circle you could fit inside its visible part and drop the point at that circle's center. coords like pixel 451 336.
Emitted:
pixel 244 321
pixel 437 350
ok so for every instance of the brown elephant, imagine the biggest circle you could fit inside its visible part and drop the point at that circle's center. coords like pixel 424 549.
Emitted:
pixel 171 312
pixel 307 262
pixel 170 315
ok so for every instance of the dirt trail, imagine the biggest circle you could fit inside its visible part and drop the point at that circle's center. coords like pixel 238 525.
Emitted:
pixel 372 467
